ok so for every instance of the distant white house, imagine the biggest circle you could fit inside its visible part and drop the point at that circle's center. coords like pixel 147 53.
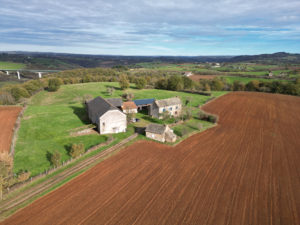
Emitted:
pixel 187 74
pixel 108 118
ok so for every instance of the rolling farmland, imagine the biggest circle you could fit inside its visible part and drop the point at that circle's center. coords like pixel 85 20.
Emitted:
pixel 243 171
pixel 8 116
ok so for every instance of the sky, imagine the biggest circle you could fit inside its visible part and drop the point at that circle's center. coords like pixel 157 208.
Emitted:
pixel 151 27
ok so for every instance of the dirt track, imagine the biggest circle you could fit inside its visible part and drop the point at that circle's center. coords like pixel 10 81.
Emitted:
pixel 244 171
pixel 8 116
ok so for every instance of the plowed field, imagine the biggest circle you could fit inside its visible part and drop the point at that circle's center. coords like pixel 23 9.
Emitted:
pixel 246 170
pixel 8 116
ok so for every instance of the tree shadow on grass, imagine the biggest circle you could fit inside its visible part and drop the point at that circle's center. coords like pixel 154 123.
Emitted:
pixel 81 113
pixel 111 86
pixel 48 156
pixel 68 148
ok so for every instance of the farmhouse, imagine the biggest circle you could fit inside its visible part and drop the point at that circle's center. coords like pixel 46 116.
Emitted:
pixel 171 105
pixel 129 107
pixel 108 118
pixel 160 133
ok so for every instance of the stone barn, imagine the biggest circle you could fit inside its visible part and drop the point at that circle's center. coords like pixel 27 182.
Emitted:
pixel 108 118
pixel 161 133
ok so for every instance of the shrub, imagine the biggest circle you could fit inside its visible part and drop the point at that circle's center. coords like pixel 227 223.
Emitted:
pixel 208 117
pixel 54 84
pixel 6 98
pixel 23 175
pixel 18 92
pixel 55 158
pixel 77 150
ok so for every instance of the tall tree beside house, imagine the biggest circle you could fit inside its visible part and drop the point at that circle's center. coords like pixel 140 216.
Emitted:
pixel 123 81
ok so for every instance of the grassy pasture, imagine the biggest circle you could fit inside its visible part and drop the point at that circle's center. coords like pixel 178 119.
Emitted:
pixel 52 116
pixel 11 66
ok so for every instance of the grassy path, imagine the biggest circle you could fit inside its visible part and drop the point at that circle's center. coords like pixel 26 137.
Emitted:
pixel 16 202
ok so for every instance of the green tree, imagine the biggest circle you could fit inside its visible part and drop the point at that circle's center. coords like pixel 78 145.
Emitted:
pixel 252 85
pixel 187 83
pixel 217 84
pixel 175 83
pixel 54 84
pixel 161 84
pixel 140 82
pixel 123 81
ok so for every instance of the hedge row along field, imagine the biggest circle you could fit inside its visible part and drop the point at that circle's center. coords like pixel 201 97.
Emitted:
pixel 243 171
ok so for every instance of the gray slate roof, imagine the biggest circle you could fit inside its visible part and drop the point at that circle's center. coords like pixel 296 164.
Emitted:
pixel 168 102
pixel 117 102
pixel 98 106
pixel 155 128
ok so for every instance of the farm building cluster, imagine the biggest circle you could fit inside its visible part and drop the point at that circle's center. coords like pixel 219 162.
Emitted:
pixel 109 115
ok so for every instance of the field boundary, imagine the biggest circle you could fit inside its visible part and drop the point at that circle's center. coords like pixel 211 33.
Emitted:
pixel 16 130
pixel 14 203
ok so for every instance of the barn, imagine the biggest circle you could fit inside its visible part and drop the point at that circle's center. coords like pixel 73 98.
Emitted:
pixel 107 117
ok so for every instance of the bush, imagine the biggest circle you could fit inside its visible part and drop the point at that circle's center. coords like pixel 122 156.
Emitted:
pixel 6 98
pixel 54 84
pixel 208 117
pixel 55 158
pixel 76 150
pixel 18 92
pixel 23 175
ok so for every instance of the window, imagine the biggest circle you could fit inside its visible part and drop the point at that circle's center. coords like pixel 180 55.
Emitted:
pixel 176 107
pixel 103 124
pixel 170 108
pixel 164 110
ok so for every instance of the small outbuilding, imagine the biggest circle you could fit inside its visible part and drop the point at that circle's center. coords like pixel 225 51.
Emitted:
pixel 129 107
pixel 161 133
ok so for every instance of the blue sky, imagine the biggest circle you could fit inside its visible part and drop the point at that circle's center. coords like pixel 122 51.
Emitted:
pixel 151 27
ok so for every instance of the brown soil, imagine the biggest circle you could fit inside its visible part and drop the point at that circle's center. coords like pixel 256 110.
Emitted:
pixel 243 171
pixel 199 77
pixel 8 117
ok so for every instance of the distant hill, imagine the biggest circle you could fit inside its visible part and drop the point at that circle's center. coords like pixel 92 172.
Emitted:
pixel 276 58
pixel 61 61
pixel 64 61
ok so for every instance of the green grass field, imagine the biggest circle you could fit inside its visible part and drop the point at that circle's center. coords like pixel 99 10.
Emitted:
pixel 52 116
pixel 11 66
pixel 231 79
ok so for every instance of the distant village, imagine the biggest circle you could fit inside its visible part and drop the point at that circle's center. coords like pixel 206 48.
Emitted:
pixel 110 115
